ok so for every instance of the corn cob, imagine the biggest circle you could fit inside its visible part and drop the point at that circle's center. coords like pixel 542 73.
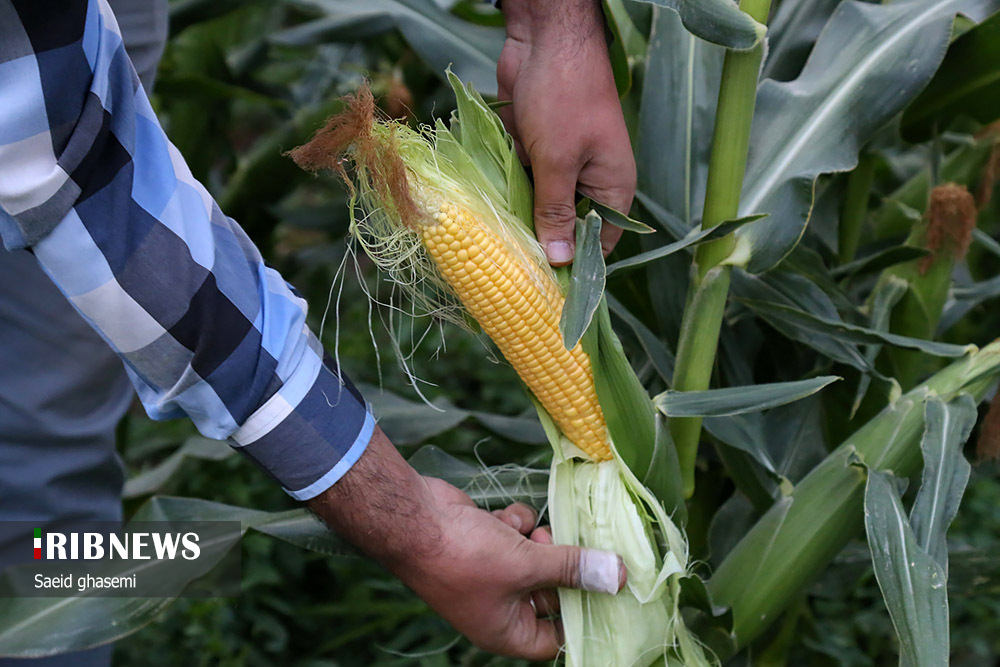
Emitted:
pixel 520 312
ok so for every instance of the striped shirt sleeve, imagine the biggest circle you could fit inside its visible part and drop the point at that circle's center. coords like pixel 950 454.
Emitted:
pixel 91 185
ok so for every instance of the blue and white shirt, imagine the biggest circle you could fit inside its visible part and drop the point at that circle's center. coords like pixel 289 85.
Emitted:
pixel 92 186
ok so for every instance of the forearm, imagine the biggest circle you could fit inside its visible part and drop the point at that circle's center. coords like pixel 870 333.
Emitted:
pixel 383 507
pixel 176 288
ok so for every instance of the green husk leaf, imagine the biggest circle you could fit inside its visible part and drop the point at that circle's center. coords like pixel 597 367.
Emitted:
pixel 628 411
pixel 586 283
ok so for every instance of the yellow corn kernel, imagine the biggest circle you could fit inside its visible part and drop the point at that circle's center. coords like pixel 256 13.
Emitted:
pixel 522 319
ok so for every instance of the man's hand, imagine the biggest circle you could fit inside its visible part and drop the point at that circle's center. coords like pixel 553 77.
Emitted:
pixel 565 116
pixel 492 576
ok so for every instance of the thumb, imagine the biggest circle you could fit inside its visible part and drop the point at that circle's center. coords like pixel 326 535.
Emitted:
pixel 574 567
pixel 555 211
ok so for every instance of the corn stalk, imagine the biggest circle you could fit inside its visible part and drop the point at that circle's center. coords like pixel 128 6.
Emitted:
pixel 706 301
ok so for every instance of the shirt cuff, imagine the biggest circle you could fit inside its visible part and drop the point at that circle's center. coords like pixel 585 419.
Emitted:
pixel 308 439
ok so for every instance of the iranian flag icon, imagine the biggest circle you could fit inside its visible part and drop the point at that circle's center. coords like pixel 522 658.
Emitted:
pixel 38 543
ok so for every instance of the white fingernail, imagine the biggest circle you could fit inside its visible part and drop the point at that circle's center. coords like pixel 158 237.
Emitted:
pixel 599 571
pixel 559 252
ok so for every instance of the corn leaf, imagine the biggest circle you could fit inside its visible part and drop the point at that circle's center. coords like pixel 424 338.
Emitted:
pixel 718 21
pixel 912 583
pixel 692 239
pixel 438 37
pixel 737 400
pixel 791 34
pixel 966 84
pixel 850 332
pixel 586 283
pixel 868 62
pixel 659 354
pixel 802 294
pixel 946 473
pixel 676 118
pixel 798 537
pixel 793 436
pixel 628 47
pixel 617 218
pixel 195 448
pixel 491 488
pixel 410 422
pixel 884 297
pixel 879 260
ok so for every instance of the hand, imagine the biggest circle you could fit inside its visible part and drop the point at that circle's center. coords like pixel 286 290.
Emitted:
pixel 565 116
pixel 479 571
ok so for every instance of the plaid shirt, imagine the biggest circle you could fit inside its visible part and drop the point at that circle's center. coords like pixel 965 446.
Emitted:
pixel 90 183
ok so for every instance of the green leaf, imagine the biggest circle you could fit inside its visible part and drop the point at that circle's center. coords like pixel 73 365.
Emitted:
pixel 946 472
pixel 676 118
pixel 481 133
pixel 737 400
pixel 800 294
pixel 438 37
pixel 966 84
pixel 868 62
pixel 799 536
pixel 659 354
pixel 879 260
pixel 586 283
pixel 618 219
pixel 152 480
pixel 490 488
pixel 912 583
pixel 718 21
pixel 694 238
pixel 628 47
pixel 663 478
pixel 851 332
pixel 791 34
pixel 628 411
pixel 885 296
pixel 412 422
pixel 793 435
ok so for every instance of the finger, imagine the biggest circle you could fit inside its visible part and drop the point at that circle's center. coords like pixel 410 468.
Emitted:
pixel 520 517
pixel 560 566
pixel 542 535
pixel 537 638
pixel 546 603
pixel 555 207
pixel 609 238
pixel 611 181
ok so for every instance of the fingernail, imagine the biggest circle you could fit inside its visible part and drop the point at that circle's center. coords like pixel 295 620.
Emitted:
pixel 559 252
pixel 601 571
pixel 515 522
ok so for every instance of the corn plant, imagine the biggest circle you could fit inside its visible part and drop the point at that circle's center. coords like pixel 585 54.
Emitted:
pixel 807 330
